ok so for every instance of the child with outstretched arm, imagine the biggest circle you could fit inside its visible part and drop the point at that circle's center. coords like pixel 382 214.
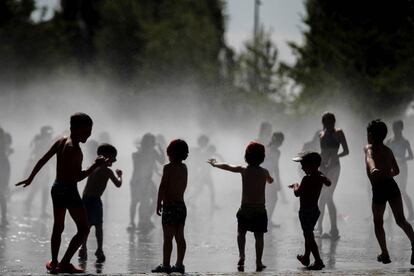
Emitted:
pixel 252 214
pixel 309 191
pixel 65 195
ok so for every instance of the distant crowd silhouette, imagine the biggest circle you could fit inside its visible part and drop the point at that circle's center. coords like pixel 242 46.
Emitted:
pixel 260 181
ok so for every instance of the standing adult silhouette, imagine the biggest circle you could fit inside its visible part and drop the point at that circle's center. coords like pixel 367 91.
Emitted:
pixel 331 138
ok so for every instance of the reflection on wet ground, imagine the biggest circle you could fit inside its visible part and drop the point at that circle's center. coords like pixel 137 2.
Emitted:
pixel 211 246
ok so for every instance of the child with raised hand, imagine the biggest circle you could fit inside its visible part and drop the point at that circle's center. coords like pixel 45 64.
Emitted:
pixel 65 195
pixel 95 187
pixel 171 206
pixel 252 214
pixel 309 191
pixel 381 167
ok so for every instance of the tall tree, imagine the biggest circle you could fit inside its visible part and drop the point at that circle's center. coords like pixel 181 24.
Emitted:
pixel 358 51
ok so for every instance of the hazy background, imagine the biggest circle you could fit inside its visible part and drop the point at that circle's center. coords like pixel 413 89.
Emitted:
pixel 194 67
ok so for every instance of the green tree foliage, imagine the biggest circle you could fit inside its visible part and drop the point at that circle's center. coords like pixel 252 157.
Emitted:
pixel 360 51
pixel 162 39
pixel 257 70
pixel 126 39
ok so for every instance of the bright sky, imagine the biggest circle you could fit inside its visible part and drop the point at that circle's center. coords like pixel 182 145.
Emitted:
pixel 282 17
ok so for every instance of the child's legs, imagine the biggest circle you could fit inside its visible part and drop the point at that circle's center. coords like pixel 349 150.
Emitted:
pixel 378 214
pixel 78 215
pixel 84 244
pixel 307 247
pixel 58 226
pixel 241 241
pixel 99 236
pixel 169 233
pixel 398 211
pixel 181 244
pixel 259 247
pixel 313 247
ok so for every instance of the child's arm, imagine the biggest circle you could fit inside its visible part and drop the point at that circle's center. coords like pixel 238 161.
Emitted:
pixel 117 180
pixel 269 179
pixel 373 171
pixel 99 161
pixel 226 167
pixel 343 142
pixel 40 164
pixel 161 190
pixel 295 187
pixel 326 181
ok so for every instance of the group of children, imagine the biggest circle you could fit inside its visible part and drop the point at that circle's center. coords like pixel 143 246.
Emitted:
pixel 252 216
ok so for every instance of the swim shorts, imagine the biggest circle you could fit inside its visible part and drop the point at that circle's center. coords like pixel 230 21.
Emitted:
pixel 66 196
pixel 174 213
pixel 252 217
pixel 94 210
pixel 384 190
pixel 308 218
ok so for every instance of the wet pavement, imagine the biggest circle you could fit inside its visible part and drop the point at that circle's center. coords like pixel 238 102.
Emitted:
pixel 211 243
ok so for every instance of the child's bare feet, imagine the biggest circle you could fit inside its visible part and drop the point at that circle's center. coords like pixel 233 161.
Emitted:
pixel 412 256
pixel 303 260
pixel 383 258
pixel 317 265
pixel 162 269
pixel 52 267
pixel 241 261
pixel 100 256
pixel 83 254
pixel 260 266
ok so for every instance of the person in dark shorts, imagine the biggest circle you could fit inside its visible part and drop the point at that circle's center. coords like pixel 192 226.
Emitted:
pixel 381 167
pixel 94 189
pixel 309 191
pixel 252 214
pixel 171 206
pixel 65 195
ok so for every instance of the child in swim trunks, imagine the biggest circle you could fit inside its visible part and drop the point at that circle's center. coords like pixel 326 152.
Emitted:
pixel 95 187
pixel 252 214
pixel 381 167
pixel 171 206
pixel 65 195
pixel 309 191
